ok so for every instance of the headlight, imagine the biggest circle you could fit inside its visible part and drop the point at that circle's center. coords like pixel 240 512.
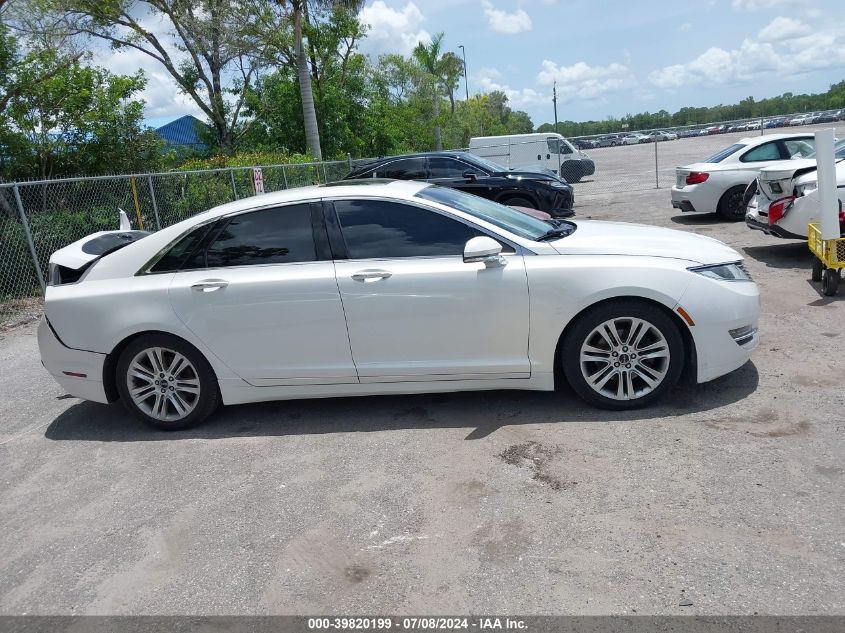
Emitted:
pixel 559 184
pixel 724 272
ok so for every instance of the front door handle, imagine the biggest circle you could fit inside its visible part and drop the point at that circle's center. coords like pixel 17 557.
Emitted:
pixel 209 285
pixel 371 275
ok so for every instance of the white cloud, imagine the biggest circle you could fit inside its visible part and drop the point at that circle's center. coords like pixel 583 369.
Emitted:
pixel 503 22
pixel 794 56
pixel 756 5
pixel 794 6
pixel 584 81
pixel 392 30
pixel 485 80
pixel 782 28
pixel 686 26
pixel 161 94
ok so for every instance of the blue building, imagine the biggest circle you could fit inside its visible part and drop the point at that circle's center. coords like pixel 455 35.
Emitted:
pixel 180 132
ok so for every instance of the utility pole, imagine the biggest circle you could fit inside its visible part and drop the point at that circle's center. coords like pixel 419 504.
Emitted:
pixel 466 83
pixel 554 101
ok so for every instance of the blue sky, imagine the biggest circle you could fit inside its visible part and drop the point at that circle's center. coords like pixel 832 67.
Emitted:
pixel 608 57
pixel 613 57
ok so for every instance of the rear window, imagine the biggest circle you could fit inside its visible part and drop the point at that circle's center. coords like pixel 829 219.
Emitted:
pixel 718 157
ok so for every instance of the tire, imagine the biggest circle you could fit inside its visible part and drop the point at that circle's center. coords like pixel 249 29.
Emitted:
pixel 730 205
pixel 191 393
pixel 519 202
pixel 818 268
pixel 830 282
pixel 619 389
pixel 571 173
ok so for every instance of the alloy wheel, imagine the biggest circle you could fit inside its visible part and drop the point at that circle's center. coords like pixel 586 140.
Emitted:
pixel 163 383
pixel 624 358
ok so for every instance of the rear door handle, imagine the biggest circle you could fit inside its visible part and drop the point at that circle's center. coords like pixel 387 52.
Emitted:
pixel 371 275
pixel 209 285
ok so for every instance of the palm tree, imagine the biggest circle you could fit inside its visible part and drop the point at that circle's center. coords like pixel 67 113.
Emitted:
pixel 299 13
pixel 440 74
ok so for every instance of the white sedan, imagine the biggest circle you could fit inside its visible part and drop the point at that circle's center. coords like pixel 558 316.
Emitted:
pixel 377 287
pixel 718 183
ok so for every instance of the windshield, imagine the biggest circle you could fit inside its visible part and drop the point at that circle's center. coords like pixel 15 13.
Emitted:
pixel 497 214
pixel 718 157
pixel 485 162
pixel 838 150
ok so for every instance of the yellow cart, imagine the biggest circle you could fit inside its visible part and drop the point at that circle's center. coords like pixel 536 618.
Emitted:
pixel 830 259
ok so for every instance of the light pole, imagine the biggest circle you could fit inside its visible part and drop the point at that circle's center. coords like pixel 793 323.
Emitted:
pixel 466 84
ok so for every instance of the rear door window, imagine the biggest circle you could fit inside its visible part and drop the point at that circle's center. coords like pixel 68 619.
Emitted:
pixel 271 236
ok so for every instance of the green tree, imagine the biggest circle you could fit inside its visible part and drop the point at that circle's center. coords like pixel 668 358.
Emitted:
pixel 219 41
pixel 79 120
pixel 436 69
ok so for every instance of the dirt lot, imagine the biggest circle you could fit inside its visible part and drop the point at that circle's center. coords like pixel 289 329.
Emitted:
pixel 727 495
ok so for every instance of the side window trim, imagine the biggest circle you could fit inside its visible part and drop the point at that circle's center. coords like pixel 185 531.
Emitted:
pixel 338 243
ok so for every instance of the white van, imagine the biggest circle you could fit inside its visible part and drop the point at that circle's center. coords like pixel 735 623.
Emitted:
pixel 543 150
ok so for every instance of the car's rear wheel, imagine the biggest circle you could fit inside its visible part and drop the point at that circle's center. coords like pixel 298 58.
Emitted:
pixel 730 205
pixel 166 383
pixel 520 202
pixel 623 355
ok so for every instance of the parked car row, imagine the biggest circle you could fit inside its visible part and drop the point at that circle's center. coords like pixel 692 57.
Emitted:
pixel 718 183
pixel 634 138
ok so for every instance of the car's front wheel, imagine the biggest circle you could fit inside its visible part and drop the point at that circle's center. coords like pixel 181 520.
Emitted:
pixel 623 355
pixel 166 382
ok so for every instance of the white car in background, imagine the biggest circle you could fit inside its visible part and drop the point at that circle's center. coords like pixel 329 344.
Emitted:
pixel 383 287
pixel 786 199
pixel 718 183
pixel 635 138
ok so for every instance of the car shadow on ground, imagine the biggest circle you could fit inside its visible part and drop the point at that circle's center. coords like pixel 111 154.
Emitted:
pixel 783 255
pixel 697 219
pixel 484 412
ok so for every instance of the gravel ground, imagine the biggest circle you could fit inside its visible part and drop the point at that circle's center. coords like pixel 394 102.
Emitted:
pixel 727 495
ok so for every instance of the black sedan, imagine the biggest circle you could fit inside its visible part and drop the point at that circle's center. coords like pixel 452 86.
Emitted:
pixel 473 174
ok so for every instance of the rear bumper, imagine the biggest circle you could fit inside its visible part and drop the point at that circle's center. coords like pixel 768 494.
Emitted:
pixel 752 221
pixel 689 199
pixel 683 205
pixel 79 372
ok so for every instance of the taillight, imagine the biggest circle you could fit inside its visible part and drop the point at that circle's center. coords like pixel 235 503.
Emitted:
pixel 696 177
pixel 779 208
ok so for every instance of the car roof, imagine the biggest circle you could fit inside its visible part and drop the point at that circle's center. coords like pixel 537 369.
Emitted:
pixel 365 187
pixel 758 140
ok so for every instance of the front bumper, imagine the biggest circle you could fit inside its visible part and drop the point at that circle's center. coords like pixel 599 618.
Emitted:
pixel 719 308
pixel 79 372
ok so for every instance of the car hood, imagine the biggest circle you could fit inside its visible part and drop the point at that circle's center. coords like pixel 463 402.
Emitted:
pixel 594 237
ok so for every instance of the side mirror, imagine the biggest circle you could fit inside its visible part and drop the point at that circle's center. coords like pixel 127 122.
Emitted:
pixel 470 175
pixel 483 249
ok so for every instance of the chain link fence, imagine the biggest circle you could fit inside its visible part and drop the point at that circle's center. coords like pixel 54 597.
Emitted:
pixel 40 217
